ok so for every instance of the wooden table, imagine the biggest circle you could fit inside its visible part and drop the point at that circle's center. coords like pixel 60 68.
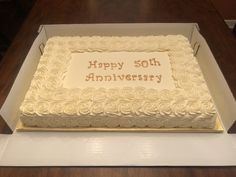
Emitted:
pixel 213 28
pixel 227 8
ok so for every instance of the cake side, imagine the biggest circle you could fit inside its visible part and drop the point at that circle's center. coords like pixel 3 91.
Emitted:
pixel 48 104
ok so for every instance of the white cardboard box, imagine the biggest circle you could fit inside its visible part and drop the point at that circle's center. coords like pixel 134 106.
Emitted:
pixel 111 149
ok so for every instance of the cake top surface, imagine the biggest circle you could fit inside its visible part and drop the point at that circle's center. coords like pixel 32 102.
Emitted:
pixel 51 93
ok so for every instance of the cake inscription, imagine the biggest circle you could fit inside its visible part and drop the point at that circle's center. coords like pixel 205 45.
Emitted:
pixel 95 64
pixel 147 63
pixel 123 77
pixel 120 69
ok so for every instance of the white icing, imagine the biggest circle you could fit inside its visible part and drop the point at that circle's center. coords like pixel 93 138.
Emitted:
pixel 48 104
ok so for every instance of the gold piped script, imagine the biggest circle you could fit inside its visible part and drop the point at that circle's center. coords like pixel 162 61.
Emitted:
pixel 119 66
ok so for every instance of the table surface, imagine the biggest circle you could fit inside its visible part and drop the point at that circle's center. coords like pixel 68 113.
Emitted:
pixel 227 8
pixel 212 27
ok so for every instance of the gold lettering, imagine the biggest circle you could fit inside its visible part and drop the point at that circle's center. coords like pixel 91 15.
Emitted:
pixel 120 65
pixel 140 77
pixel 99 78
pixel 154 62
pixel 151 77
pixel 145 77
pixel 158 78
pixel 90 77
pixel 121 77
pixel 107 78
pixel 106 65
pixel 92 64
pixel 113 65
pixel 128 77
pixel 134 77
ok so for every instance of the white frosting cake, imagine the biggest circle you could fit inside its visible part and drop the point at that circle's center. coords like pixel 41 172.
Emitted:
pixel 145 81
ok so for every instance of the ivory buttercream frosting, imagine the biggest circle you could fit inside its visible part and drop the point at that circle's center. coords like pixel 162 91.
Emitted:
pixel 115 92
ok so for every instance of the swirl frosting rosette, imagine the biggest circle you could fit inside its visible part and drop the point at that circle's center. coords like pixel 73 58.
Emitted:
pixel 152 94
pixel 127 93
pixel 97 108
pixel 125 107
pixel 30 95
pixel 113 94
pixel 42 108
pixel 149 108
pixel 56 108
pixel 74 94
pixel 111 108
pixel 28 108
pixel 60 94
pixel 84 107
pixel 87 94
pixel 70 108
pixel 99 95
pixel 139 93
pixel 137 107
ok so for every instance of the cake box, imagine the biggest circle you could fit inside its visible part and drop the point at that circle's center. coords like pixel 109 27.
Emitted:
pixel 110 148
